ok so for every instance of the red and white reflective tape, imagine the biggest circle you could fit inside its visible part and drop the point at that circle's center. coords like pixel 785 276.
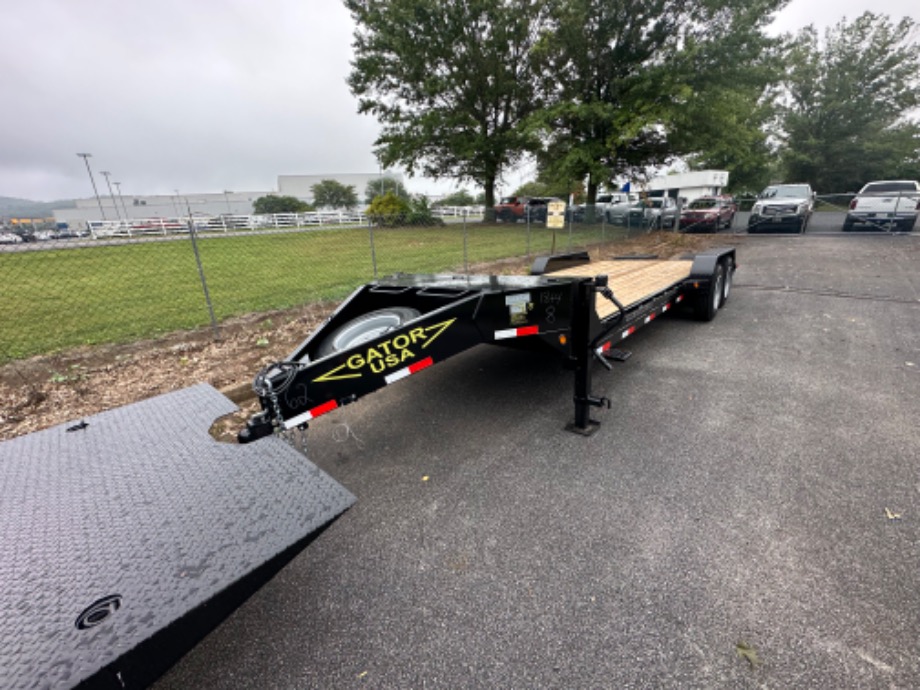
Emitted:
pixel 603 348
pixel 516 332
pixel 648 319
pixel 312 413
pixel 409 370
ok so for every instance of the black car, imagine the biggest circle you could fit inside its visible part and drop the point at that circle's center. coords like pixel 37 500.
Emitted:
pixel 26 234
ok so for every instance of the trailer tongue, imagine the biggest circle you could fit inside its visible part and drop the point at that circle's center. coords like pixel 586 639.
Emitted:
pixel 395 327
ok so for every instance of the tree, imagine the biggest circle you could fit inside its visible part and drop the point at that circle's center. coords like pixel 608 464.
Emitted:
pixel 637 83
pixel 392 210
pixel 333 194
pixel 382 185
pixel 547 185
pixel 452 83
pixel 742 147
pixel 280 204
pixel 847 116
pixel 388 209
pixel 459 198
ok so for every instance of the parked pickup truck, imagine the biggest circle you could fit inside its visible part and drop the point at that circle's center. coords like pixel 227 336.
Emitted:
pixel 781 205
pixel 886 204
pixel 511 209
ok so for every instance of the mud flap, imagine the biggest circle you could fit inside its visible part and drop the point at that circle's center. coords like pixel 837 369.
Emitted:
pixel 128 536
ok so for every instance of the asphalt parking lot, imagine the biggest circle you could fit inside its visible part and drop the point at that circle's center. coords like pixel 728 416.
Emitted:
pixel 748 514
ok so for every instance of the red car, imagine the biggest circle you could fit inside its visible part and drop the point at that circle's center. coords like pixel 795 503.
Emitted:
pixel 708 214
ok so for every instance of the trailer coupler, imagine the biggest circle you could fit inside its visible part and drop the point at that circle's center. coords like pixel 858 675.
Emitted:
pixel 258 426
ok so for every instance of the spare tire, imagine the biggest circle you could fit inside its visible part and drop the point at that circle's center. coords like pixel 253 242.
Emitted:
pixel 364 328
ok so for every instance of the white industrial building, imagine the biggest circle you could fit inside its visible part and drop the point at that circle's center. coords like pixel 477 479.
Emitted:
pixel 142 207
pixel 180 204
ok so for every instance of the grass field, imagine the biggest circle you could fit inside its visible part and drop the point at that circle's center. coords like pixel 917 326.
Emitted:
pixel 64 297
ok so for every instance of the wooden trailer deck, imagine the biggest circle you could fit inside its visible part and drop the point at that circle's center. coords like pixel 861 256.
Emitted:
pixel 632 280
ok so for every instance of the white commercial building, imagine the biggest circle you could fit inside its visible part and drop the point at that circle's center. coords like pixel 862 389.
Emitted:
pixel 179 205
pixel 143 207
pixel 689 185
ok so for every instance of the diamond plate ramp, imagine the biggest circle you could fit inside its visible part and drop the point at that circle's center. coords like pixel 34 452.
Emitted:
pixel 123 542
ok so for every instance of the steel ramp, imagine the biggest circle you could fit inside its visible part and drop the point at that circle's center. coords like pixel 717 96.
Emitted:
pixel 125 538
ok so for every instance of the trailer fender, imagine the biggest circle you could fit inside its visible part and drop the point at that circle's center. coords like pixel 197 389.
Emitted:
pixel 704 263
pixel 558 262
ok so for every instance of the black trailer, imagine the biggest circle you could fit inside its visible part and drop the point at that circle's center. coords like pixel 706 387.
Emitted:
pixel 133 532
pixel 395 327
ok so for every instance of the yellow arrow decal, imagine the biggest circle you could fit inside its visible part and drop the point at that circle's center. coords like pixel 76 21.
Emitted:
pixel 330 375
pixel 441 328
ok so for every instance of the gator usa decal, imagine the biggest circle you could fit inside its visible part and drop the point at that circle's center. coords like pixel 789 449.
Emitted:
pixel 387 354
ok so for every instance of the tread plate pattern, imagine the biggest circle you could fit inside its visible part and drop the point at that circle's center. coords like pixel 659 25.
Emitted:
pixel 141 503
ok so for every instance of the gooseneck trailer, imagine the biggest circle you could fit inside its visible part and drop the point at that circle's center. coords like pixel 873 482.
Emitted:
pixel 397 326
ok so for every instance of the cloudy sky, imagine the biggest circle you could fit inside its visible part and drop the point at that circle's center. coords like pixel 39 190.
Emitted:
pixel 204 96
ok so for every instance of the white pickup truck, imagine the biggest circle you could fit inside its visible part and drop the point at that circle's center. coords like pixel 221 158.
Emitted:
pixel 887 205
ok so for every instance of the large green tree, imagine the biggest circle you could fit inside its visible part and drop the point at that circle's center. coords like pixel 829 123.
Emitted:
pixel 851 99
pixel 334 194
pixel 636 83
pixel 451 83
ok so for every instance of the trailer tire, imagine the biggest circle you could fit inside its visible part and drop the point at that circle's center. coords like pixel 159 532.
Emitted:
pixel 727 280
pixel 709 301
pixel 364 328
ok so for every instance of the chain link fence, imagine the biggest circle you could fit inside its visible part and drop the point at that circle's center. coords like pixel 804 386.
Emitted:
pixel 118 282
pixel 113 283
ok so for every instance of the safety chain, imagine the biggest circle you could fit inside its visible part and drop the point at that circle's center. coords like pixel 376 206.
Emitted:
pixel 264 388
pixel 276 407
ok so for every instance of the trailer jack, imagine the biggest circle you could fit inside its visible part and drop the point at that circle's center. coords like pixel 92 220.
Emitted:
pixel 583 425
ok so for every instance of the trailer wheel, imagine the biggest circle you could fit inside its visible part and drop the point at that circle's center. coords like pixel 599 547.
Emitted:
pixel 366 327
pixel 710 301
pixel 727 281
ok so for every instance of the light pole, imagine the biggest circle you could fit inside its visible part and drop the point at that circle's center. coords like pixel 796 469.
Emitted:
pixel 105 174
pixel 227 197
pixel 85 157
pixel 123 208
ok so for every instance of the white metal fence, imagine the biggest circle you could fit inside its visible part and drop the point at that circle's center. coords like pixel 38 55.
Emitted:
pixel 226 222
